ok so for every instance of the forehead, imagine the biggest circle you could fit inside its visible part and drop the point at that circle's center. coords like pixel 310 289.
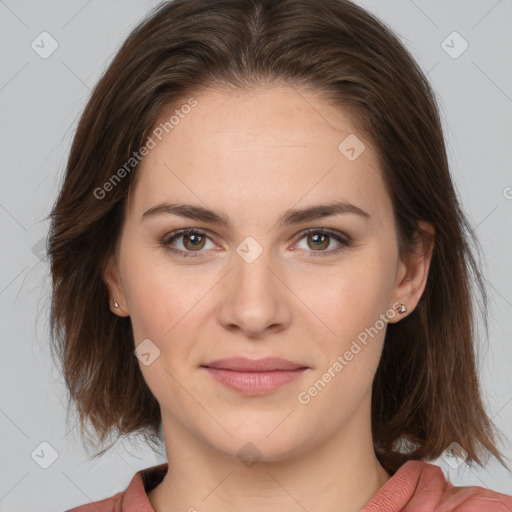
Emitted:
pixel 263 147
pixel 275 118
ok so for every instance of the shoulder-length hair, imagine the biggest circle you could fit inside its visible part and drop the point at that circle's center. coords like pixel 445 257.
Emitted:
pixel 425 392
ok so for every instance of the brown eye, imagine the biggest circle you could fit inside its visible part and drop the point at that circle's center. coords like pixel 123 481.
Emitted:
pixel 192 241
pixel 319 241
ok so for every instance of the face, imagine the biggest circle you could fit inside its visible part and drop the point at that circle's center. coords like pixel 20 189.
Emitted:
pixel 259 284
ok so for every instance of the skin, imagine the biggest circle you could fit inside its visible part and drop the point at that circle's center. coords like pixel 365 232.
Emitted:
pixel 254 155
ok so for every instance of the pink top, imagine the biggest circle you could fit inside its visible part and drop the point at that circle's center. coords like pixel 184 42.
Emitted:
pixel 417 486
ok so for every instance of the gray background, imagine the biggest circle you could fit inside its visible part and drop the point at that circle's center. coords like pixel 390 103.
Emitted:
pixel 40 101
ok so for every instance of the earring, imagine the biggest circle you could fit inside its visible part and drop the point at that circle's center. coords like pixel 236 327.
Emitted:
pixel 400 308
pixel 116 305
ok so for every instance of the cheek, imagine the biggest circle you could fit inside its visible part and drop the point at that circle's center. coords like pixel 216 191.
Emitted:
pixel 351 356
pixel 351 296
pixel 162 306
pixel 167 305
pixel 354 305
pixel 154 297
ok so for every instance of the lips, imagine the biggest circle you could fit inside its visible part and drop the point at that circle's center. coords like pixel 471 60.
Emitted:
pixel 242 364
pixel 254 377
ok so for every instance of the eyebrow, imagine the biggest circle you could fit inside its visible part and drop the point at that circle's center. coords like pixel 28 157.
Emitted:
pixel 290 217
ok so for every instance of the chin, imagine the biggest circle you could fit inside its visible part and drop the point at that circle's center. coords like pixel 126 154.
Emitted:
pixel 264 444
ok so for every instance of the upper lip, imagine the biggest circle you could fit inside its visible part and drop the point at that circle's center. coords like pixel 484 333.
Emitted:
pixel 243 364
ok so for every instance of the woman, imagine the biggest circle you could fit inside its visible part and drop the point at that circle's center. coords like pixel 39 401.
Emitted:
pixel 258 249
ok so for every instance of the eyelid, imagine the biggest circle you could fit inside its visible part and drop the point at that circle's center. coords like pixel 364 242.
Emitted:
pixel 332 232
pixel 343 239
pixel 168 237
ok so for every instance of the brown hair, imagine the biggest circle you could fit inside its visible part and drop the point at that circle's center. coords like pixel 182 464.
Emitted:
pixel 425 392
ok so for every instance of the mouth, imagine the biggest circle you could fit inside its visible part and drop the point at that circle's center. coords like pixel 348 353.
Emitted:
pixel 254 377
pixel 242 364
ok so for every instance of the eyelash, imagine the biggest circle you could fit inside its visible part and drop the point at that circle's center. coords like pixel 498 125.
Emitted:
pixel 344 241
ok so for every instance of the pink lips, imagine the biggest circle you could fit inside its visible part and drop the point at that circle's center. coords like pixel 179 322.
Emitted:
pixel 254 377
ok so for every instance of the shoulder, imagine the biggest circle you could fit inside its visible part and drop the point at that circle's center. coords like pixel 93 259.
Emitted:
pixel 419 486
pixel 111 504
pixel 134 498
pixel 444 495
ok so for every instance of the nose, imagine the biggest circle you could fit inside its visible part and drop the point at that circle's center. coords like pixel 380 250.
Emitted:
pixel 255 298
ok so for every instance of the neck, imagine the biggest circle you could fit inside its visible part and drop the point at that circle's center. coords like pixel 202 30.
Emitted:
pixel 341 473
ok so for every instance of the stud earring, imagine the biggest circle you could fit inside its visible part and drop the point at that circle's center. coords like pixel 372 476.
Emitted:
pixel 400 308
pixel 116 305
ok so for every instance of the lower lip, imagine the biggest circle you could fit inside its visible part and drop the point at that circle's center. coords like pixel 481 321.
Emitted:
pixel 255 383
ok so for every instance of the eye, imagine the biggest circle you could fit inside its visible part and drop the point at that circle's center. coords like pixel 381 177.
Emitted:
pixel 193 241
pixel 320 240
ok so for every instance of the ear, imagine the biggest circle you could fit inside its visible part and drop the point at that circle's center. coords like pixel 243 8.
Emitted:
pixel 115 287
pixel 413 272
